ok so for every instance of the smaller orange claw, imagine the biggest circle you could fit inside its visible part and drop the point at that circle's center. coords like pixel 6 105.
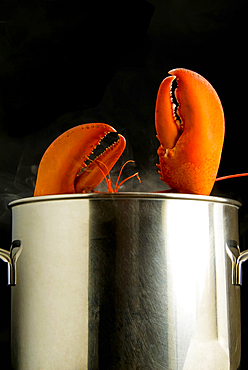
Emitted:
pixel 190 128
pixel 62 162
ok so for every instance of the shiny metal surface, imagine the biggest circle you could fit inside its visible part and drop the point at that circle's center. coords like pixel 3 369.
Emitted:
pixel 11 258
pixel 237 259
pixel 126 281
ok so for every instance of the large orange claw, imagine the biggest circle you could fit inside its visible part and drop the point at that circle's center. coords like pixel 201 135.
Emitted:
pixel 60 166
pixel 190 127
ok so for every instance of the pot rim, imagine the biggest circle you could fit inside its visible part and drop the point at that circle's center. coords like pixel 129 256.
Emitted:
pixel 125 195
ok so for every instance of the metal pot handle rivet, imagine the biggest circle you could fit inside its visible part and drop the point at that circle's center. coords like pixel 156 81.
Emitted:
pixel 237 258
pixel 11 258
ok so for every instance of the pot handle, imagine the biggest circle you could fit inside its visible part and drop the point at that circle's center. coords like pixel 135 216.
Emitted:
pixel 11 258
pixel 237 258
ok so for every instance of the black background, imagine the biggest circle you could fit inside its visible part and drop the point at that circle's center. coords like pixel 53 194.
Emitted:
pixel 64 63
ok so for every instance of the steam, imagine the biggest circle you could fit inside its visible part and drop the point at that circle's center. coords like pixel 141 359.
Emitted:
pixel 13 187
pixel 7 194
pixel 127 106
pixel 18 182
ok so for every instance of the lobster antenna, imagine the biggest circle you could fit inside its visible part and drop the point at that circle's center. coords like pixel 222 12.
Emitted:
pixel 231 176
pixel 118 179
pixel 108 180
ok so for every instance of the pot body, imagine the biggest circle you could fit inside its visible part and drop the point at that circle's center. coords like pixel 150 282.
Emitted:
pixel 125 281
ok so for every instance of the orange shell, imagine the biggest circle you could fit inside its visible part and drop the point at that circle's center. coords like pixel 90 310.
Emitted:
pixel 192 161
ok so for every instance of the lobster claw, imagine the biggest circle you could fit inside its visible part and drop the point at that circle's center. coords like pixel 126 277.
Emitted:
pixel 60 169
pixel 189 121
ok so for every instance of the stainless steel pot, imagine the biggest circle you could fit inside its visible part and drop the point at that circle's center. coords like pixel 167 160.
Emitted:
pixel 125 281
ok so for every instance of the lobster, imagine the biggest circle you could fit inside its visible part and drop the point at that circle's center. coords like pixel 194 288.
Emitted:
pixel 189 121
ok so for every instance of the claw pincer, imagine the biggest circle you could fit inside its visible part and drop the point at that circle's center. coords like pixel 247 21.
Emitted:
pixel 189 121
pixel 63 168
